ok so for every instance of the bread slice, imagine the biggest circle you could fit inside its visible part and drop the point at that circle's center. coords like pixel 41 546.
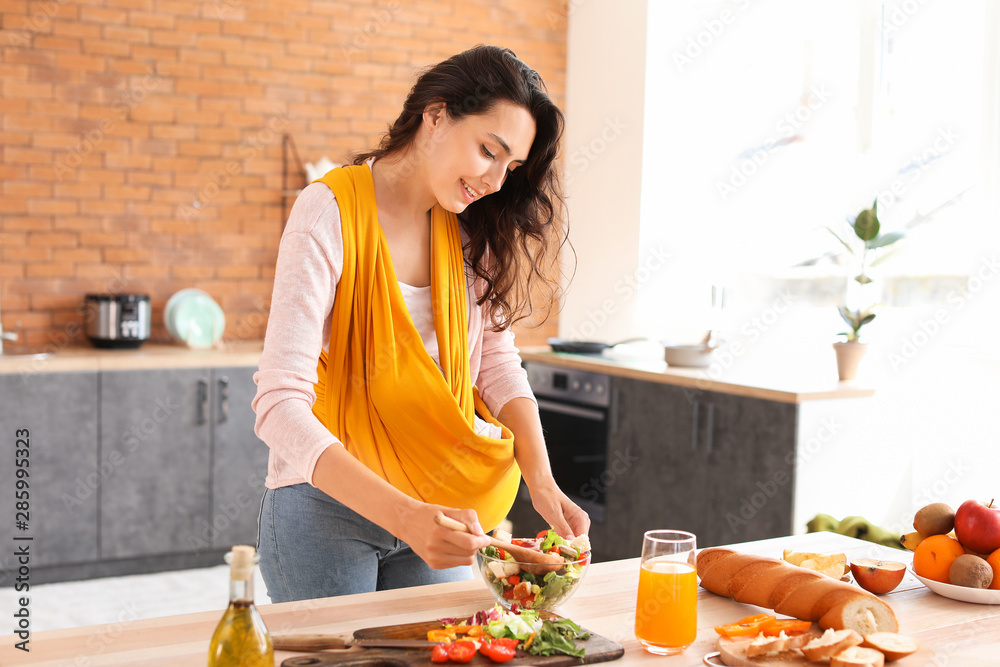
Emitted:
pixel 830 644
pixel 893 646
pixel 767 645
pixel 858 657
pixel 839 593
pixel 865 614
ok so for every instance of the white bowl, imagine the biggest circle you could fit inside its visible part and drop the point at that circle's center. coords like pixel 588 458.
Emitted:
pixel 688 356
pixel 960 593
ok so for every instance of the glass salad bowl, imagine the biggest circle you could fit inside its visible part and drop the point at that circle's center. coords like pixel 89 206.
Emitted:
pixel 526 584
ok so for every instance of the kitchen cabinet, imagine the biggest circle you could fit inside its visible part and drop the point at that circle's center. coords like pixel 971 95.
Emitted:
pixel 191 464
pixel 718 465
pixel 239 460
pixel 133 470
pixel 155 435
pixel 59 411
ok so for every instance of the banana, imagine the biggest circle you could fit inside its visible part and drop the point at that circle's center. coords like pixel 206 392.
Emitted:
pixel 911 540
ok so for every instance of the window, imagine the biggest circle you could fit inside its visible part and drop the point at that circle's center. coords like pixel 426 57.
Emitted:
pixel 766 122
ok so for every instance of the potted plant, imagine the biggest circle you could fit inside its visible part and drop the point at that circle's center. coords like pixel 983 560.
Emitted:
pixel 850 351
pixel 861 298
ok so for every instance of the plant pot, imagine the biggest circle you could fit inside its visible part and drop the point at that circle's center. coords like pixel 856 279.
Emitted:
pixel 848 357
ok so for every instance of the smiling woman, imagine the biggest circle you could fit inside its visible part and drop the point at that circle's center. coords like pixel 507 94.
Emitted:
pixel 389 387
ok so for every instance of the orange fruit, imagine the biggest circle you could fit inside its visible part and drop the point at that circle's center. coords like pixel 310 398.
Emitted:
pixel 994 561
pixel 934 556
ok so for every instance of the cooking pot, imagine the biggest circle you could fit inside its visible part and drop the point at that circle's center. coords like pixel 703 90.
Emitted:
pixel 585 346
pixel 119 321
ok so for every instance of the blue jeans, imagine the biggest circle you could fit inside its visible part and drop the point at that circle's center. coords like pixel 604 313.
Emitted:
pixel 312 546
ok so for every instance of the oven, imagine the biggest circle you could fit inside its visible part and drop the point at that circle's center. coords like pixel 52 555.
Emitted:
pixel 575 411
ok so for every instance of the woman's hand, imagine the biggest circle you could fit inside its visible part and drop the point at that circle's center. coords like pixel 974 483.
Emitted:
pixel 441 547
pixel 565 516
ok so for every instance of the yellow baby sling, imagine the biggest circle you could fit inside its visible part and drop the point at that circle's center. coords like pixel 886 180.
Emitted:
pixel 380 392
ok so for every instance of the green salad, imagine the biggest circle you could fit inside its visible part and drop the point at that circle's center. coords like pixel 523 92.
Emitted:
pixel 519 588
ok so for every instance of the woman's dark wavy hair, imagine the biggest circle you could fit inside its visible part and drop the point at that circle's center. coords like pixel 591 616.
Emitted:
pixel 523 224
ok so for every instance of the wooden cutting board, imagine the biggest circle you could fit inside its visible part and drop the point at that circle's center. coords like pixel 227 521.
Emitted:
pixel 733 652
pixel 598 649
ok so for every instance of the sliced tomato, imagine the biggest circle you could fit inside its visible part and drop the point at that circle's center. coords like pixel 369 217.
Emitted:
pixel 502 554
pixel 508 593
pixel 745 627
pixel 790 626
pixel 513 580
pixel 496 651
pixel 439 653
pixel 541 534
pixel 507 641
pixel 462 651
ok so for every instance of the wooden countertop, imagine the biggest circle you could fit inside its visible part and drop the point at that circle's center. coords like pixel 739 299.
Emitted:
pixel 950 632
pixel 150 355
pixel 785 385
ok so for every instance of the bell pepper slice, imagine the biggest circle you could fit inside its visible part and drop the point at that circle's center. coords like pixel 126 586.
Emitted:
pixel 790 626
pixel 745 627
pixel 440 635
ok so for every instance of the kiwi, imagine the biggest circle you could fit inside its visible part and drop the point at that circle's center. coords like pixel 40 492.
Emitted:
pixel 970 571
pixel 934 519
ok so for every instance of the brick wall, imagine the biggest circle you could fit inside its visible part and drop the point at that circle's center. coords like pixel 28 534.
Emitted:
pixel 142 139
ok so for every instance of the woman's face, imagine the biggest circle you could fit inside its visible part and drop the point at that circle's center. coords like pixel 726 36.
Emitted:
pixel 470 158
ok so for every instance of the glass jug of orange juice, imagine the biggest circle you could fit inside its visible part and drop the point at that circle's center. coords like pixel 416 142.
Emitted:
pixel 666 620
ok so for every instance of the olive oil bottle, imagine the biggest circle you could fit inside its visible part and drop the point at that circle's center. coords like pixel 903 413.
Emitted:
pixel 240 639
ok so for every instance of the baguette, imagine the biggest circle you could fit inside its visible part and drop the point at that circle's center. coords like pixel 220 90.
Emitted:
pixel 794 591
pixel 858 657
pixel 830 644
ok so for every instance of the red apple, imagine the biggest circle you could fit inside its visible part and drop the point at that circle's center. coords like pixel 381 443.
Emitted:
pixel 877 576
pixel 977 526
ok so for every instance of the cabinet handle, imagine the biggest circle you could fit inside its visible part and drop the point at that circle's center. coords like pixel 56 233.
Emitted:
pixel 694 427
pixel 614 411
pixel 223 399
pixel 709 427
pixel 202 401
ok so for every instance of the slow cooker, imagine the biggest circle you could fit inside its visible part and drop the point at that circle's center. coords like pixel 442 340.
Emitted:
pixel 119 321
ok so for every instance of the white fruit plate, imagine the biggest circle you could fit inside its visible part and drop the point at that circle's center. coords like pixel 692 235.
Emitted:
pixel 960 593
